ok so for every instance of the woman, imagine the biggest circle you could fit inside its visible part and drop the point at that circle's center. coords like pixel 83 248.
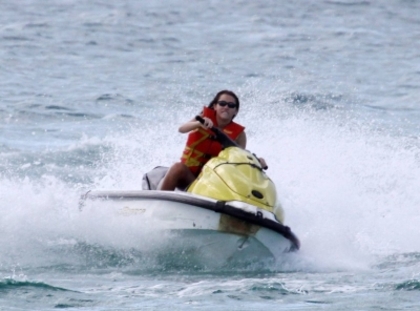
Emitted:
pixel 200 146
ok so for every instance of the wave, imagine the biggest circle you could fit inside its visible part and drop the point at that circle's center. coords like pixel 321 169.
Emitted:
pixel 410 285
pixel 31 295
pixel 8 285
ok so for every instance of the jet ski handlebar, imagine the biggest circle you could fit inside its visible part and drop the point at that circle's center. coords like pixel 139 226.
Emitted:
pixel 220 136
pixel 224 139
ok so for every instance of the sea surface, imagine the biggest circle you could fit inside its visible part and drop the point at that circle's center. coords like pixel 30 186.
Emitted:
pixel 91 97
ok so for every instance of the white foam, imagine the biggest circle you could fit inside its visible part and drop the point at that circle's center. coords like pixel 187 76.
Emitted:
pixel 349 187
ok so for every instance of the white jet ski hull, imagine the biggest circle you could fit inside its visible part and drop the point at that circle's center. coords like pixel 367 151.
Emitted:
pixel 227 230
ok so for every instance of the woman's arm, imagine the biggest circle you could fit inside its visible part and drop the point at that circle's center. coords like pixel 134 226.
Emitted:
pixel 189 126
pixel 194 124
pixel 241 140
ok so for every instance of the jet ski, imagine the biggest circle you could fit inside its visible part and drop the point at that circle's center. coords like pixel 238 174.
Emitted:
pixel 231 208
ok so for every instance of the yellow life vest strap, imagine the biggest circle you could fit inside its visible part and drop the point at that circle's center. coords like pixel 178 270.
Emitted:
pixel 191 155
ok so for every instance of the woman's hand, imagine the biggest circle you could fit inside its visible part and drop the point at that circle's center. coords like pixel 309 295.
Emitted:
pixel 263 163
pixel 207 123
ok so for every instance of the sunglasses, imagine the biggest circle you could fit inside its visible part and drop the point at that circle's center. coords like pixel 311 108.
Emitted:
pixel 230 104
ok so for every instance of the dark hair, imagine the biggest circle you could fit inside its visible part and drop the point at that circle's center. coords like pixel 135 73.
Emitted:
pixel 227 92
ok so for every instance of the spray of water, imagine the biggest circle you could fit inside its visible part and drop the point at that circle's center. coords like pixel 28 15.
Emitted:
pixel 349 187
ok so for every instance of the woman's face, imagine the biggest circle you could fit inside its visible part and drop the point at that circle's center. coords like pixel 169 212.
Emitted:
pixel 223 111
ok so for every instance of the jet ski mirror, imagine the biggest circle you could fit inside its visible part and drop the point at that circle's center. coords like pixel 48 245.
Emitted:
pixel 221 137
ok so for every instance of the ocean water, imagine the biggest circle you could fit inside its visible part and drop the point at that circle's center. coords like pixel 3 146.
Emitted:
pixel 92 94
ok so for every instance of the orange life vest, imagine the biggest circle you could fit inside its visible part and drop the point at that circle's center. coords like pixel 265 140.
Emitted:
pixel 201 145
